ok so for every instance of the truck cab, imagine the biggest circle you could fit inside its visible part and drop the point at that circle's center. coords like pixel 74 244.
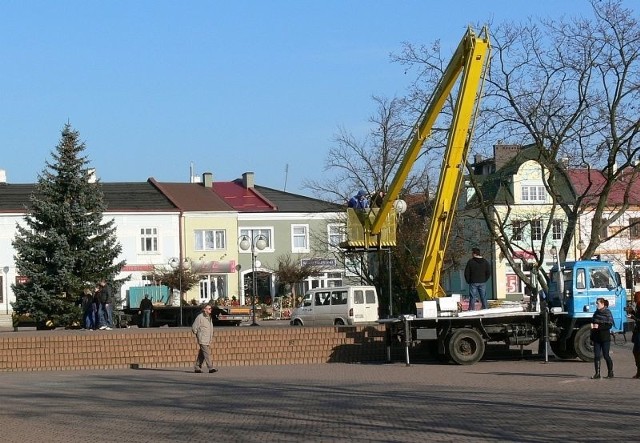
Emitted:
pixel 574 288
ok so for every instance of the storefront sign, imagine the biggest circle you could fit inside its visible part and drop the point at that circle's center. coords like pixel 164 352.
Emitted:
pixel 319 262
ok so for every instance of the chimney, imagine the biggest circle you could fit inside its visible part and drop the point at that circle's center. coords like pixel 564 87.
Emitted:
pixel 248 180
pixel 92 175
pixel 207 179
pixel 3 176
pixel 503 153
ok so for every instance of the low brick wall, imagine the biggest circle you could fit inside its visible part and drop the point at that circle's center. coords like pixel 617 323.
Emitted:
pixel 176 347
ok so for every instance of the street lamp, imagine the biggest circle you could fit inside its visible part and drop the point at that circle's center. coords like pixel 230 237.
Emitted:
pixel 581 247
pixel 6 286
pixel 254 243
pixel 181 266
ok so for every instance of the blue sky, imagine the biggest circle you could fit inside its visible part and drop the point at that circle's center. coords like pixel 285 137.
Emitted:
pixel 233 86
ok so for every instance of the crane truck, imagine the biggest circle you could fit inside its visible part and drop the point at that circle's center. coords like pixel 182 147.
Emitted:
pixel 562 318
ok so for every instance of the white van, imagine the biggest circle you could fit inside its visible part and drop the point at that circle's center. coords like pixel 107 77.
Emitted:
pixel 347 305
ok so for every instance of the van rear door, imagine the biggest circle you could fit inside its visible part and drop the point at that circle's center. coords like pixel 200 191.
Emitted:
pixel 365 305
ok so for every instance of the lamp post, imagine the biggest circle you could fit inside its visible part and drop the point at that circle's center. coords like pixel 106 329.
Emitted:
pixel 556 257
pixel 581 247
pixel 6 287
pixel 254 243
pixel 181 266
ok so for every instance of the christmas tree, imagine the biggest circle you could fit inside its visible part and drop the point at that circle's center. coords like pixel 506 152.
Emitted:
pixel 64 245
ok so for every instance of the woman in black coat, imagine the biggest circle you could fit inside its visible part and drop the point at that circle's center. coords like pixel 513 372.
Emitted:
pixel 600 325
pixel 635 338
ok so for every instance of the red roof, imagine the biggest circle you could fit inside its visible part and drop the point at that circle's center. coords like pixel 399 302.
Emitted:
pixel 243 199
pixel 192 196
pixel 590 182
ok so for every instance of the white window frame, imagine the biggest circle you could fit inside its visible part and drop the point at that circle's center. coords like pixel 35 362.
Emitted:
pixel 517 228
pixel 266 232
pixel 149 235
pixel 335 235
pixel 534 194
pixel 200 240
pixel 556 229
pixel 536 230
pixel 303 236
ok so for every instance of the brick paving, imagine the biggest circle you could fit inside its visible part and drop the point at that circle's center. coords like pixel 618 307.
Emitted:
pixel 494 400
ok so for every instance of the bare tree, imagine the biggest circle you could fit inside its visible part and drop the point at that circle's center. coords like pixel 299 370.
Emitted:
pixel 569 86
pixel 371 162
pixel 293 273
pixel 175 279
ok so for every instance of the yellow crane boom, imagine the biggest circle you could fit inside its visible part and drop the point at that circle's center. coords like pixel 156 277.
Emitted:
pixel 376 228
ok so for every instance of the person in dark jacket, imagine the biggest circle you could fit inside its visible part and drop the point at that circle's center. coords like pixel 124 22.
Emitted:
pixel 635 337
pixel 146 306
pixel 105 309
pixel 359 201
pixel 601 323
pixel 476 274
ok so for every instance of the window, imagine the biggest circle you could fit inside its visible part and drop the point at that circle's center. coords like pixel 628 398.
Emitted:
pixel 210 239
pixel 600 278
pixel 603 229
pixel 536 230
pixel 335 234
pixel 581 279
pixel 516 230
pixel 534 194
pixel 634 228
pixel 299 238
pixel 358 297
pixel 556 230
pixel 323 298
pixel 213 287
pixel 266 233
pixel 149 239
pixel 370 296
pixel 339 297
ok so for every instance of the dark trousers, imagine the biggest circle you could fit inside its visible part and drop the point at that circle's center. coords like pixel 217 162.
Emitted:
pixel 600 350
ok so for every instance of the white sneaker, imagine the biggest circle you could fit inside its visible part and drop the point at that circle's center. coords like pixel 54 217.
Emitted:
pixel 102 328
pixel 108 328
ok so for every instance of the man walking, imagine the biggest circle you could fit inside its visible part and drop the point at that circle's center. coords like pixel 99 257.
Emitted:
pixel 476 274
pixel 203 329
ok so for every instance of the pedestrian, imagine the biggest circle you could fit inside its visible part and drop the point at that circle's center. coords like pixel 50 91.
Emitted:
pixel 203 329
pixel 359 201
pixel 105 309
pixel 601 323
pixel 377 199
pixel 476 274
pixel 635 337
pixel 146 307
pixel 88 310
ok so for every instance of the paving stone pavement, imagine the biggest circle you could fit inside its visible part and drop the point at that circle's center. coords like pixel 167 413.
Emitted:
pixel 494 400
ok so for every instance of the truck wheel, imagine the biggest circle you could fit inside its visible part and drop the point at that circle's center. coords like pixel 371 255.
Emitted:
pixel 338 322
pixel 466 346
pixel 582 343
pixel 297 322
pixel 565 354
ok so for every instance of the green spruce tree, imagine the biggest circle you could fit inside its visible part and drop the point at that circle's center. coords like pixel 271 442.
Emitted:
pixel 64 246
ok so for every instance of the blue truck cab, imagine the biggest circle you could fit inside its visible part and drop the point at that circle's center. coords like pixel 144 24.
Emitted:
pixel 574 288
